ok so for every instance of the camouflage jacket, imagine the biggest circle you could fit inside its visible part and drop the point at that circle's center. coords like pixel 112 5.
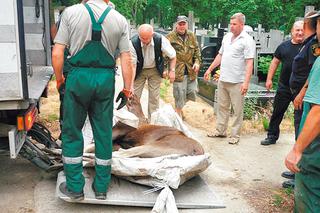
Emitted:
pixel 188 53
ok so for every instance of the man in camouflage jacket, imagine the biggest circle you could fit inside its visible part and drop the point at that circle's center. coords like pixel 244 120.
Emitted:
pixel 187 65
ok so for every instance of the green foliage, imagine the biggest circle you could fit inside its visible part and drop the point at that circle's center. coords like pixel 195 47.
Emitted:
pixel 263 66
pixel 250 108
pixel 273 14
pixel 265 123
pixel 164 87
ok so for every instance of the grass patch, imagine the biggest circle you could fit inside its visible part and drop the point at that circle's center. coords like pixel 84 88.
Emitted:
pixel 164 88
pixel 53 117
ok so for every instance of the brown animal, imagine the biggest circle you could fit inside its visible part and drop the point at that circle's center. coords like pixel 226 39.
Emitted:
pixel 151 140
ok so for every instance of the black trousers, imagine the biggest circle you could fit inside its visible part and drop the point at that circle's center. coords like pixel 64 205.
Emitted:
pixel 281 102
pixel 61 97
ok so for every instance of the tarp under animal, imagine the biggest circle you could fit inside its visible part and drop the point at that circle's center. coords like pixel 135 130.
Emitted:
pixel 161 173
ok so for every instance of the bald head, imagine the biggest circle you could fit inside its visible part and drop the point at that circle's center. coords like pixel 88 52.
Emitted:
pixel 145 32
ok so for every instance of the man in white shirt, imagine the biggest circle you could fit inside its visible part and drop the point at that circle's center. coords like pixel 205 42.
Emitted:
pixel 236 64
pixel 147 50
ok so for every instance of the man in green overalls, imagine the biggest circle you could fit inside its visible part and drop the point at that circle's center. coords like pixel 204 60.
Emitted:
pixel 92 31
pixel 304 158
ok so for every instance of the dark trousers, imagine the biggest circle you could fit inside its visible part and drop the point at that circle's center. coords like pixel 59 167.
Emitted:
pixel 61 97
pixel 280 105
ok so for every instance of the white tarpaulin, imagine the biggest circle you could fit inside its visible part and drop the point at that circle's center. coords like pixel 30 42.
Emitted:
pixel 163 172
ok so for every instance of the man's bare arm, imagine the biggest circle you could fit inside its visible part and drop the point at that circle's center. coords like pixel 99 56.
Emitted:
pixel 57 62
pixel 249 68
pixel 128 73
pixel 272 70
pixel 310 130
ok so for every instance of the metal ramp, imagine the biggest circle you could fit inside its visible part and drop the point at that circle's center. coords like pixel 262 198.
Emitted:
pixel 194 194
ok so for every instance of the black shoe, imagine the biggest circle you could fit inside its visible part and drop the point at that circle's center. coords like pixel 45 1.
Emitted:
pixel 288 175
pixel 288 184
pixel 99 195
pixel 268 141
pixel 76 196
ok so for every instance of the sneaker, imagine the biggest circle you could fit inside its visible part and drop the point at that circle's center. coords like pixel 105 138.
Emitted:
pixel 99 195
pixel 215 134
pixel 288 174
pixel 288 184
pixel 76 196
pixel 268 141
pixel 234 141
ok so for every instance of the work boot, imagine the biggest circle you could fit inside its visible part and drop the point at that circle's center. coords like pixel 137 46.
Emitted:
pixel 288 184
pixel 99 195
pixel 76 196
pixel 288 175
pixel 268 141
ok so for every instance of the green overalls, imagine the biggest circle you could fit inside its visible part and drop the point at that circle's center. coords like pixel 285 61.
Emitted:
pixel 307 181
pixel 66 69
pixel 89 90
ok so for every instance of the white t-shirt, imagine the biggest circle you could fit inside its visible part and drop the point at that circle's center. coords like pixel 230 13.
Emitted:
pixel 148 52
pixel 234 54
pixel 75 28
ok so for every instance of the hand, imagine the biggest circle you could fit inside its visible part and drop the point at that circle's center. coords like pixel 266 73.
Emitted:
pixel 60 82
pixel 244 88
pixel 297 103
pixel 172 76
pixel 196 68
pixel 269 85
pixel 165 74
pixel 124 95
pixel 207 75
pixel 292 160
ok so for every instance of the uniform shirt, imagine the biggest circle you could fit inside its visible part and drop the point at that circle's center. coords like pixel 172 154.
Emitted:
pixel 313 91
pixel 188 53
pixel 75 28
pixel 148 52
pixel 286 52
pixel 234 54
pixel 302 65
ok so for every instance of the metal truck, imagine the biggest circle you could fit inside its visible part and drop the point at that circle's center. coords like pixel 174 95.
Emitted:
pixel 25 70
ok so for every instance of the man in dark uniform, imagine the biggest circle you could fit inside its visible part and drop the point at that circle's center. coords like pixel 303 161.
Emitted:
pixel 301 67
pixel 284 54
pixel 92 31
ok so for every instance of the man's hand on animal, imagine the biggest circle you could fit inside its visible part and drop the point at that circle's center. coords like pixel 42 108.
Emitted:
pixel 244 88
pixel 292 160
pixel 269 85
pixel 196 68
pixel 124 95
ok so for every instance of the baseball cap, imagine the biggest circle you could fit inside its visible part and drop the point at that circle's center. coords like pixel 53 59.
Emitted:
pixel 182 19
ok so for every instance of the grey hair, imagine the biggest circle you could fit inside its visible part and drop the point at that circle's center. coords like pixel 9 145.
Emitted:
pixel 296 24
pixel 240 16
pixel 145 27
